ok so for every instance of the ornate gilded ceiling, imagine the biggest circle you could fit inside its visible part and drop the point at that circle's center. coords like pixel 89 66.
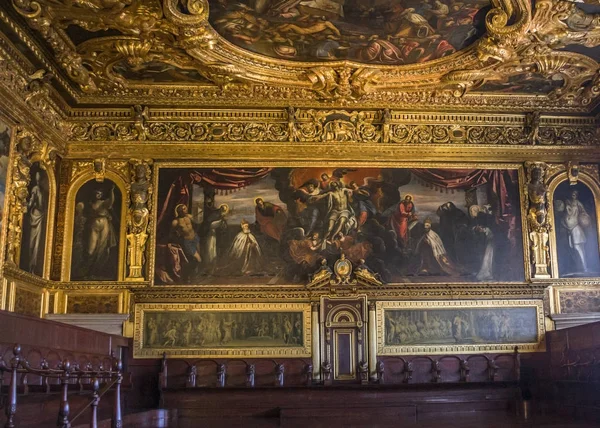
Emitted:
pixel 510 55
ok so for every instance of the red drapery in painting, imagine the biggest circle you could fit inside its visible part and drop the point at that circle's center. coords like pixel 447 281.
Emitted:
pixel 501 185
pixel 221 179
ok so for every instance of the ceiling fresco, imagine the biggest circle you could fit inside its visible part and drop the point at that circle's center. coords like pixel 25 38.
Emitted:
pixel 385 53
pixel 372 32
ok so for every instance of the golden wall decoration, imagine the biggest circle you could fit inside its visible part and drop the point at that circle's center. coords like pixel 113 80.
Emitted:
pixel 28 300
pixel 459 326
pixel 582 299
pixel 257 330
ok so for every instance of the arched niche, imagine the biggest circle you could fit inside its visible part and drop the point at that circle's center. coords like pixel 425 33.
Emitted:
pixel 574 213
pixel 36 241
pixel 94 241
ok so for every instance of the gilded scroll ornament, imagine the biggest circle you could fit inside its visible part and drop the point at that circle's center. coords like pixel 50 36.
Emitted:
pixel 537 218
pixel 138 217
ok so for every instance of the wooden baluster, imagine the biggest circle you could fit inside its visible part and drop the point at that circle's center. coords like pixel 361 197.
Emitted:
pixel 436 371
pixel 363 372
pixel 117 421
pixel 63 412
pixel 326 371
pixel 408 371
pixel 163 372
pixel 250 371
pixel 46 379
pixel 308 371
pixel 191 378
pixel 279 371
pixel 464 371
pixel 221 375
pixel 95 402
pixel 11 406
pixel 380 372
pixel 517 364
pixel 492 370
pixel 25 383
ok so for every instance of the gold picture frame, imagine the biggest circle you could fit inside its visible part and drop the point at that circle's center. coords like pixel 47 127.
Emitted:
pixel 303 163
pixel 143 310
pixel 466 345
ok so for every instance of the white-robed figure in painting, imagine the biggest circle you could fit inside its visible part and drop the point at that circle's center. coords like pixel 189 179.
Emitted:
pixel 434 259
pixel 245 253
pixel 98 236
pixel 486 271
pixel 36 212
pixel 575 220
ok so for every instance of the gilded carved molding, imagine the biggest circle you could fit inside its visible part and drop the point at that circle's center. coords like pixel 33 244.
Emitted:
pixel 518 41
pixel 339 126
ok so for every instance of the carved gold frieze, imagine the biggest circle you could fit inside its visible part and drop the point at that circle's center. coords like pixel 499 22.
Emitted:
pixel 339 126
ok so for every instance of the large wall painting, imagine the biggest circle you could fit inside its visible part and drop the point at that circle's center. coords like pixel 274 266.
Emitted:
pixel 274 225
pixel 374 32
pixel 35 222
pixel 459 326
pixel 249 330
pixel 576 230
pixel 96 232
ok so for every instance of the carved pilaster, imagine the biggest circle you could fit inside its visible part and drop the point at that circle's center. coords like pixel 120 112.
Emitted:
pixel 138 217
pixel 537 219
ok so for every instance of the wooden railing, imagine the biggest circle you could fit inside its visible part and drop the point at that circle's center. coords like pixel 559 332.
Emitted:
pixel 66 375
pixel 449 368
pixel 272 372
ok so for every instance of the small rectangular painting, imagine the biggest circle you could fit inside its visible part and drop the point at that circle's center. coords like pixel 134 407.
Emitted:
pixel 421 327
pixel 35 222
pixel 576 231
pixel 222 330
pixel 273 226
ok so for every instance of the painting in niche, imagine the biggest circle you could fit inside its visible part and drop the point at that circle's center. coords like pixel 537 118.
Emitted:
pixel 576 229
pixel 96 227
pixel 373 31
pixel 208 329
pixel 270 226
pixel 460 326
pixel 4 153
pixel 35 221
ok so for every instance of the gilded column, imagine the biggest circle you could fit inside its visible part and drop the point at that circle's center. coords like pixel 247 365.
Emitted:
pixel 372 342
pixel 537 219
pixel 316 342
pixel 138 217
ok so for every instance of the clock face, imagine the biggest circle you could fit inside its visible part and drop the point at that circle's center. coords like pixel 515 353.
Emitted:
pixel 343 267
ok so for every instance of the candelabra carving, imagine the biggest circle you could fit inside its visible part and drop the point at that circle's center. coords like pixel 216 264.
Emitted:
pixel 537 218
pixel 138 217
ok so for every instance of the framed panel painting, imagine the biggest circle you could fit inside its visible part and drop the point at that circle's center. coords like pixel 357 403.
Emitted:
pixel 273 226
pixel 575 212
pixel 257 330
pixel 461 326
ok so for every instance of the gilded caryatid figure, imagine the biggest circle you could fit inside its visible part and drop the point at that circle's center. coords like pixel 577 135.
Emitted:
pixel 537 218
pixel 138 217
pixel 18 195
